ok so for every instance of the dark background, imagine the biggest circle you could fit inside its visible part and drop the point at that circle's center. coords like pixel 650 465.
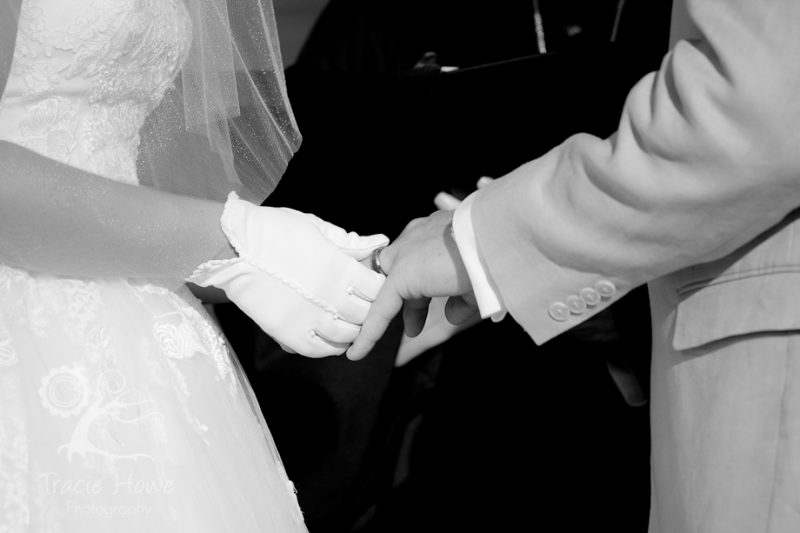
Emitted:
pixel 487 431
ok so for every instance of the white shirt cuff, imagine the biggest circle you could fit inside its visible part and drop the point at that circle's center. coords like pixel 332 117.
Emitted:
pixel 487 296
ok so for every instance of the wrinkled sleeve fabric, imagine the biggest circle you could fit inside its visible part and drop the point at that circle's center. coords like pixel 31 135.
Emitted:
pixel 704 159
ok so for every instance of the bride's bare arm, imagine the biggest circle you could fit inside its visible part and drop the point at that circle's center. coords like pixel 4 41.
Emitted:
pixel 58 219
pixel 9 11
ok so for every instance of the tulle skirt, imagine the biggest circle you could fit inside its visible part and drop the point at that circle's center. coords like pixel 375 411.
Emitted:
pixel 122 410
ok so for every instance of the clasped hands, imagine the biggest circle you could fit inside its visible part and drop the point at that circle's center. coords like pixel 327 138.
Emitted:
pixel 422 263
pixel 306 282
pixel 308 285
pixel 296 276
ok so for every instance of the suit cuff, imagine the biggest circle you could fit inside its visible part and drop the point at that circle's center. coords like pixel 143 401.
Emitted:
pixel 545 297
pixel 487 296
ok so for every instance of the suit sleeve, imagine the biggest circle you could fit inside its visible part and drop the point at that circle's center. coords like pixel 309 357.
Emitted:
pixel 706 157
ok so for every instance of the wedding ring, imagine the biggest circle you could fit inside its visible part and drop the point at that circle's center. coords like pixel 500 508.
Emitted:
pixel 375 261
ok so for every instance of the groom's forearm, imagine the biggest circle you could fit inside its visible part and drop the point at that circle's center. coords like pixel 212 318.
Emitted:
pixel 703 161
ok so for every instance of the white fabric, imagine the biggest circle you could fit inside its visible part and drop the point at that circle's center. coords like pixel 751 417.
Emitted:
pixel 307 269
pixel 489 300
pixel 121 407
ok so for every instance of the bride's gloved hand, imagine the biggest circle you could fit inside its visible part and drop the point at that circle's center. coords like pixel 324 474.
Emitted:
pixel 297 276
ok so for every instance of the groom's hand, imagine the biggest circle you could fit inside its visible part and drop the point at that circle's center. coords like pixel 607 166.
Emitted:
pixel 422 263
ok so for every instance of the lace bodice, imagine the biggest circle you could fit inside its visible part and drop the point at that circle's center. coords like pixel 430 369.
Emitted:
pixel 85 75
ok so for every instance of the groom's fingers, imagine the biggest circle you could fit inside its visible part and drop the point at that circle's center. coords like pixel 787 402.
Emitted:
pixel 446 201
pixel 384 309
pixel 460 309
pixel 484 181
pixel 415 312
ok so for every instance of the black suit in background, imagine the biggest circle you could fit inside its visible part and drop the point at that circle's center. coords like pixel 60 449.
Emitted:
pixel 439 444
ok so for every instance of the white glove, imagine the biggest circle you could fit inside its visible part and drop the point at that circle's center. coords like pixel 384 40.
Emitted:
pixel 297 276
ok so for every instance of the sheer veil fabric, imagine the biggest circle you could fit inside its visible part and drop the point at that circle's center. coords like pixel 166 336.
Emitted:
pixel 226 123
pixel 229 111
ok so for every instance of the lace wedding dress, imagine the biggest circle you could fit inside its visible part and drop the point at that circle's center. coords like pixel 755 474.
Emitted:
pixel 121 407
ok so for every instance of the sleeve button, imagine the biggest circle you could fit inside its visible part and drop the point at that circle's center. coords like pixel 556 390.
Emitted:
pixel 605 288
pixel 558 311
pixel 576 304
pixel 590 296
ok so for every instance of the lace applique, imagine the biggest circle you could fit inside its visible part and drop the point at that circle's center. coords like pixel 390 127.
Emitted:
pixel 112 139
pixel 83 306
pixel 182 332
pixel 185 332
pixel 11 276
pixel 85 75
pixel 13 457
pixel 45 305
pixel 65 305
pixel 48 128
pixel 10 280
pixel 8 353
pixel 125 49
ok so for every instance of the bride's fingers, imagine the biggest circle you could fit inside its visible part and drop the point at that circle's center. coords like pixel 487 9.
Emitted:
pixel 337 332
pixel 415 312
pixel 384 309
pixel 367 285
pixel 321 347
pixel 354 310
